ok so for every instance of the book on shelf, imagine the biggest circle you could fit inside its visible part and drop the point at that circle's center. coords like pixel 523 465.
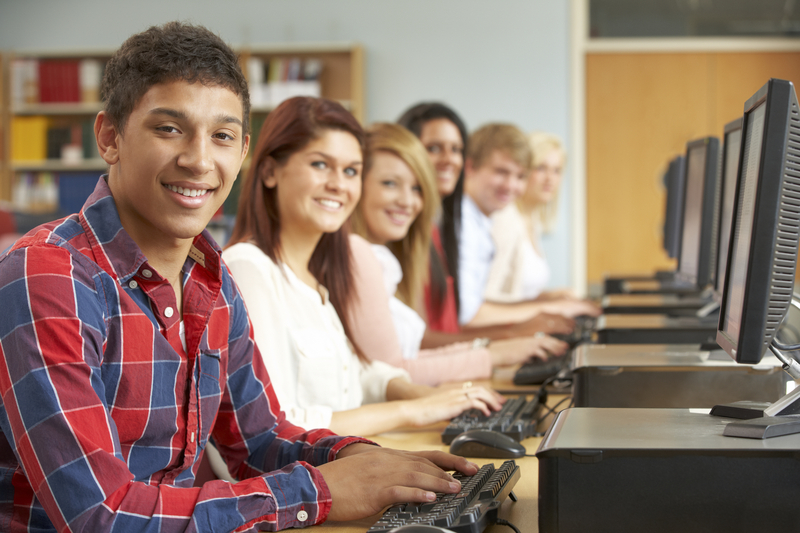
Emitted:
pixel 49 192
pixel 278 79
pixel 44 80
pixel 59 81
pixel 29 138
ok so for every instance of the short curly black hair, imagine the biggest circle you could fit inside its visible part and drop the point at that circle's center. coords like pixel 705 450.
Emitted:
pixel 171 52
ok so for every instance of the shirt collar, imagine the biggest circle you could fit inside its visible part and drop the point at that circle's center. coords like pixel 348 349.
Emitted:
pixel 470 209
pixel 116 252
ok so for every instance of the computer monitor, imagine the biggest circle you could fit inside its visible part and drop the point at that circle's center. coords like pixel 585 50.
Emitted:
pixel 674 181
pixel 696 259
pixel 762 255
pixel 731 148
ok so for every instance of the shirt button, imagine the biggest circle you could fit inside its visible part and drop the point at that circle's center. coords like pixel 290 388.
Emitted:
pixel 302 516
pixel 147 273
pixel 133 284
pixel 168 312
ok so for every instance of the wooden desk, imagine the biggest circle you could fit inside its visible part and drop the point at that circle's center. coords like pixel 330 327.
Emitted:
pixel 523 513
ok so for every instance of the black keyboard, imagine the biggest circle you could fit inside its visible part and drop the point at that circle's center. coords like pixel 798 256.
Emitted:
pixel 517 419
pixel 470 511
pixel 537 371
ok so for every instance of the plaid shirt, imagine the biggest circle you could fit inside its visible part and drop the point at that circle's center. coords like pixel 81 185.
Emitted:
pixel 105 416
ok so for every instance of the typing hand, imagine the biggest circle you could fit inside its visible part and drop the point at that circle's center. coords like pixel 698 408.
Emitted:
pixel 520 349
pixel 573 308
pixel 549 323
pixel 364 479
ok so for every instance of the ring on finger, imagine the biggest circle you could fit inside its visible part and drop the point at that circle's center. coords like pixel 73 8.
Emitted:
pixel 466 385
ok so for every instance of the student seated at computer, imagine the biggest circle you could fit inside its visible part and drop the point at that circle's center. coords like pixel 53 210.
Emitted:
pixel 444 136
pixel 290 255
pixel 495 172
pixel 395 215
pixel 519 270
pixel 126 347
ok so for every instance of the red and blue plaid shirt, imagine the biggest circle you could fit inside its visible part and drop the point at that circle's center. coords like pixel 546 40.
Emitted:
pixel 105 416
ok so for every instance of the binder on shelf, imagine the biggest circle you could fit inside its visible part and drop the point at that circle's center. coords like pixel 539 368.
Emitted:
pixel 29 138
pixel 74 188
pixel 90 75
pixel 59 80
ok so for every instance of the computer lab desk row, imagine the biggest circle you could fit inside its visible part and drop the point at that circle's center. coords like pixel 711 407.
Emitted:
pixel 524 513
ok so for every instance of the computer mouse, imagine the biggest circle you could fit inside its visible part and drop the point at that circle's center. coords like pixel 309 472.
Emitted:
pixel 420 528
pixel 486 443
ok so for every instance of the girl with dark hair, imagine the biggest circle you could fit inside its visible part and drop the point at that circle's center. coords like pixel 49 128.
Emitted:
pixel 444 136
pixel 289 254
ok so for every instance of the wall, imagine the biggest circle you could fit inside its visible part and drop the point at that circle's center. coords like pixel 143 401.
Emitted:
pixel 505 60
pixel 669 98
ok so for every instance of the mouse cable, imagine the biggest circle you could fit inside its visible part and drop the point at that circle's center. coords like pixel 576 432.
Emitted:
pixel 502 522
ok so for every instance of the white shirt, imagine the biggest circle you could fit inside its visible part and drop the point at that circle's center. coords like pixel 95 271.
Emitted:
pixel 475 253
pixel 518 272
pixel 409 325
pixel 311 363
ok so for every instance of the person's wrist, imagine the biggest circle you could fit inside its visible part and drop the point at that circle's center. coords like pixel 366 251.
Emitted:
pixel 355 448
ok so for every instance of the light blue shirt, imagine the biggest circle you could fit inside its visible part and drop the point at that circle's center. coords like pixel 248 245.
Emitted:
pixel 475 253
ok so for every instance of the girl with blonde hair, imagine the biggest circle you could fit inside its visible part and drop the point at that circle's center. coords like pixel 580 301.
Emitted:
pixel 394 220
pixel 519 270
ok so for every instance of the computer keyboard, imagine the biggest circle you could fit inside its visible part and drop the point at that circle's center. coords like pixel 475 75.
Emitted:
pixel 537 371
pixel 517 419
pixel 470 511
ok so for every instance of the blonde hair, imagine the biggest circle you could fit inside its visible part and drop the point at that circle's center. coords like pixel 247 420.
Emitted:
pixel 505 138
pixel 413 250
pixel 545 215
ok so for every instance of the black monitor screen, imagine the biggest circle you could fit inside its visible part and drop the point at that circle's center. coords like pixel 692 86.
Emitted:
pixel 674 180
pixel 730 166
pixel 692 212
pixel 743 225
pixel 766 225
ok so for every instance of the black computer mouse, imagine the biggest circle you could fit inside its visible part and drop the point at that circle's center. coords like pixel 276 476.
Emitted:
pixel 486 443
pixel 420 528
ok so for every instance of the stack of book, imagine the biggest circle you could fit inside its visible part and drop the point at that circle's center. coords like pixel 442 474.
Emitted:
pixel 278 79
pixel 43 81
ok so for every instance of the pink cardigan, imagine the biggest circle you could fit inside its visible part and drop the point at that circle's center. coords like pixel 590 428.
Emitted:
pixel 374 332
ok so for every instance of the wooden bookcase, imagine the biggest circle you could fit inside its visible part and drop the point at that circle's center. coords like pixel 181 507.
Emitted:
pixel 340 76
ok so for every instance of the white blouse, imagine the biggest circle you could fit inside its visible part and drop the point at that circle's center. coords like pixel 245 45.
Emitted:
pixel 518 272
pixel 409 325
pixel 313 367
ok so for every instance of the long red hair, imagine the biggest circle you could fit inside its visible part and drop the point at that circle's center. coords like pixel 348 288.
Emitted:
pixel 287 130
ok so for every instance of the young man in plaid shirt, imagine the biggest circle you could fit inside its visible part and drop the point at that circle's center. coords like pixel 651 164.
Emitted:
pixel 125 345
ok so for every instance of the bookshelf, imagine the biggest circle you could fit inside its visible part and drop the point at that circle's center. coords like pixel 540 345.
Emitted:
pixel 335 71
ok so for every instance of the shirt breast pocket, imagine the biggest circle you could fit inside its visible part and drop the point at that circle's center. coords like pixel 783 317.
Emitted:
pixel 319 368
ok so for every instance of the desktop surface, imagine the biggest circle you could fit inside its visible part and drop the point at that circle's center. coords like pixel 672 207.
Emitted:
pixel 523 513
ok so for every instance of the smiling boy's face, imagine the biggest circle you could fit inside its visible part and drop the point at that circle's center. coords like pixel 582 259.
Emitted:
pixel 176 161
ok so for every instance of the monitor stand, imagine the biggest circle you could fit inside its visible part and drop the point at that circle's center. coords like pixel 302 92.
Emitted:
pixel 759 420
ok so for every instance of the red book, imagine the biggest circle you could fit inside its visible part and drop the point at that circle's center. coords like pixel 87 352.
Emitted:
pixel 59 81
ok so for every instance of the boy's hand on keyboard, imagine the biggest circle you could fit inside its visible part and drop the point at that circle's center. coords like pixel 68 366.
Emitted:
pixel 513 351
pixel 364 479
